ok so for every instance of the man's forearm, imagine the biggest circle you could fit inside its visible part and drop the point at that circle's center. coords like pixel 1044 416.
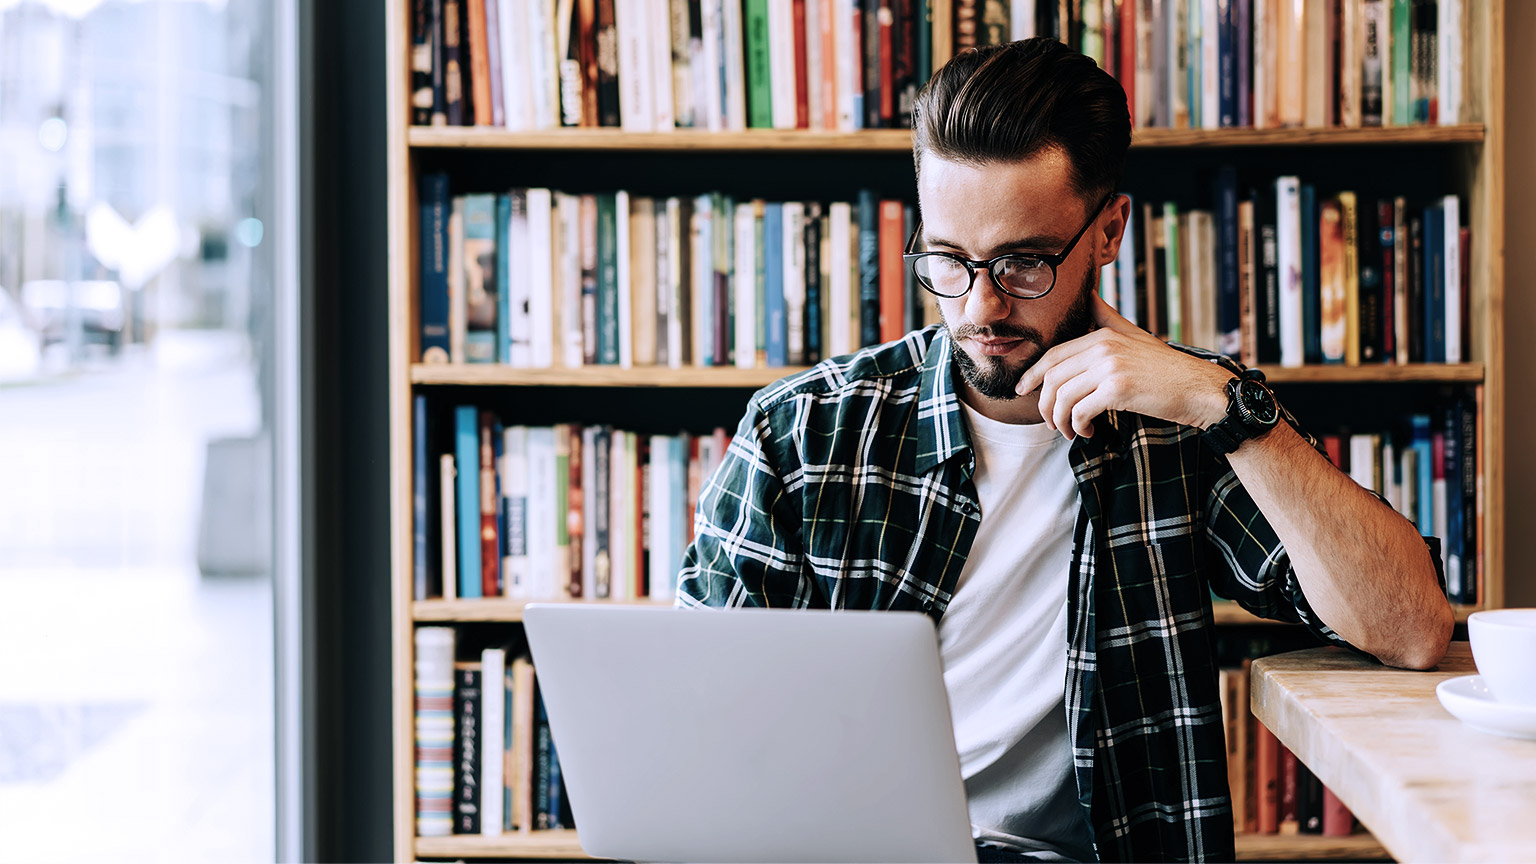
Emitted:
pixel 1364 568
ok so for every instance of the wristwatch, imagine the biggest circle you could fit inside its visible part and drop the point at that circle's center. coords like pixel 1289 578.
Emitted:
pixel 1251 412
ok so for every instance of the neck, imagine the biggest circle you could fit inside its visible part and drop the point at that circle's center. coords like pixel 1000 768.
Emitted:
pixel 1021 410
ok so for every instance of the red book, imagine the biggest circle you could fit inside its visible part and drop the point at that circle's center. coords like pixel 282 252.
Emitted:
pixel 802 85
pixel 574 523
pixel 1334 445
pixel 1289 792
pixel 490 543
pixel 695 483
pixel 586 24
pixel 828 82
pixel 1266 780
pixel 1126 63
pixel 1385 219
pixel 887 65
pixel 1337 820
pixel 893 283
pixel 479 63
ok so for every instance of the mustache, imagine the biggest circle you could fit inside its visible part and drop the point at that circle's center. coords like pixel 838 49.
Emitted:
pixel 998 331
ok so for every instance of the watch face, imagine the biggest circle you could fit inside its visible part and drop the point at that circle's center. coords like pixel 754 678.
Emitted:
pixel 1259 402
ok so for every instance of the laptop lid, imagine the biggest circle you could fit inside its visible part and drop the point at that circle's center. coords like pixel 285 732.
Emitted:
pixel 752 735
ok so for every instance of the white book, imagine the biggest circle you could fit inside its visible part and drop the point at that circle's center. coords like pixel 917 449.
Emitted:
pixel 1021 19
pixel 1362 461
pixel 589 512
pixel 813 61
pixel 794 280
pixel 1453 346
pixel 1389 475
pixel 702 293
pixel 516 69
pixel 744 284
pixel 622 251
pixel 543 63
pixel 673 285
pixel 493 692
pixel 659 492
pixel 449 505
pixel 781 63
pixel 1437 511
pixel 681 42
pixel 519 286
pixel 735 75
pixel 661 65
pixel 849 95
pixel 1378 14
pixel 569 299
pixel 541 512
pixel 1127 268
pixel 1176 18
pixel 1262 54
pixel 1193 276
pixel 1109 284
pixel 1288 243
pixel 514 493
pixel 840 281
pixel 665 236
pixel 1410 487
pixel 632 21
pixel 541 278
pixel 711 82
pixel 457 311
pixel 1448 61
pixel 1210 69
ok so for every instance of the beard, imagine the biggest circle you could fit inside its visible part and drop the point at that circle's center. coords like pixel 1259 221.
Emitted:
pixel 995 377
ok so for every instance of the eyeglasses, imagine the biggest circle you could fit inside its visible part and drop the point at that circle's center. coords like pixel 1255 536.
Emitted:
pixel 1024 276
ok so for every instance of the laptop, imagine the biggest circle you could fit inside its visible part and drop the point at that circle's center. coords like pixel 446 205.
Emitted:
pixel 751 735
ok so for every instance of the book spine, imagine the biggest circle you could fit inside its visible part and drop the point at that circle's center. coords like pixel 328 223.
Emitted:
pixel 800 51
pixel 775 324
pixel 1173 272
pixel 434 718
pixel 543 746
pixel 826 30
pixel 1402 63
pixel 1331 269
pixel 1386 239
pixel 892 300
pixel 816 60
pixel 1434 285
pixel 1451 218
pixel 1229 323
pixel 1448 62
pixel 1247 285
pixel 588 309
pixel 479 63
pixel 870 44
pixel 1127 266
pixel 1267 765
pixel 1289 792
pixel 813 284
pixel 1467 409
pixel 575 526
pixel 422 587
pixel 607 300
pixel 680 41
pixel 467 461
pixel 759 79
pixel 1311 276
pixel 423 23
pixel 680 323
pixel 482 312
pixel 435 208
pixel 1337 820
pixel 1350 221
pixel 602 492
pixel 642 276
pixel 781 60
pixel 745 279
pixel 488 506
pixel 605 51
pixel 722 324
pixel 493 729
pixel 623 273
pixel 869 269
pixel 1372 315
pixel 502 231
pixel 793 280
pixel 515 492
pixel 497 66
pixel 467 749
pixel 1288 239
pixel 1450 430
pixel 588 513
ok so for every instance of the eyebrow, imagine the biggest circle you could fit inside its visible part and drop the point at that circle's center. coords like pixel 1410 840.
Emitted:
pixel 1047 245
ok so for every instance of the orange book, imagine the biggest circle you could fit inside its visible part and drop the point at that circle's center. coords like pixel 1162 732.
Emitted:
pixel 893 283
pixel 828 83
pixel 1234 684
pixel 1337 820
pixel 802 85
pixel 479 63
pixel 1290 65
pixel 1266 780
pixel 1331 273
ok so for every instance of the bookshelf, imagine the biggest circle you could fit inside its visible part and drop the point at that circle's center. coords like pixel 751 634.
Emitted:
pixel 1470 154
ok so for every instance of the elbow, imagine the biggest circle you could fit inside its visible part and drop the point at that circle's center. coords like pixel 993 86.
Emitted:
pixel 1424 646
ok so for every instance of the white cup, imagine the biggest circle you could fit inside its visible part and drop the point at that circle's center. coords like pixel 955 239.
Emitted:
pixel 1504 646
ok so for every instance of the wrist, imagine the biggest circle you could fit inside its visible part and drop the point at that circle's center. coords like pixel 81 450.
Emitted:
pixel 1210 405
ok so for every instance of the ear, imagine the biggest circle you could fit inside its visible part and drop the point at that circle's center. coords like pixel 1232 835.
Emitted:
pixel 1107 238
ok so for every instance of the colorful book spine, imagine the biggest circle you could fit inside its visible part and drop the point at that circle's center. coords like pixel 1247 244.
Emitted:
pixel 434 718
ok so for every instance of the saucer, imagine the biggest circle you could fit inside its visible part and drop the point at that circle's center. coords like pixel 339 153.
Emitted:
pixel 1470 700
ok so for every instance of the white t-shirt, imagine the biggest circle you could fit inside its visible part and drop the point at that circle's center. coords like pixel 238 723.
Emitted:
pixel 1003 642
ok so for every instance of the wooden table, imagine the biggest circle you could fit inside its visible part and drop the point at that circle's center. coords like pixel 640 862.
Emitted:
pixel 1428 787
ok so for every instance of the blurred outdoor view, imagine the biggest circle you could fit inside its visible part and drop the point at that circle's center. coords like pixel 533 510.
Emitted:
pixel 136 719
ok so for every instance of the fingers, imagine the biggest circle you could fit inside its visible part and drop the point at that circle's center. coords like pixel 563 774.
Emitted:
pixel 1062 415
pixel 1035 375
pixel 1062 372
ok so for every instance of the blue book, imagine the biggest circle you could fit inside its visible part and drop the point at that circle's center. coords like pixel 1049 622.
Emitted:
pixel 503 280
pixel 481 307
pixel 869 268
pixel 1311 279
pixel 1455 556
pixel 1434 284
pixel 608 280
pixel 556 789
pixel 1226 59
pixel 1421 445
pixel 467 455
pixel 419 498
pixel 435 210
pixel 1229 310
pixel 677 467
pixel 542 747
pixel 777 326
pixel 1242 29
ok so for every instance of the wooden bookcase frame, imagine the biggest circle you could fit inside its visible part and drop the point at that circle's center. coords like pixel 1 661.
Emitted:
pixel 1480 148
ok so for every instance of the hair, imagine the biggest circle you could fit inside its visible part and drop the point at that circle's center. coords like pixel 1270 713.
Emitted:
pixel 1006 103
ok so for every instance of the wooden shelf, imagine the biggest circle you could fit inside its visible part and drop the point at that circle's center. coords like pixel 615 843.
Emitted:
pixel 1229 613
pixel 489 374
pixel 900 140
pixel 561 845
pixel 1309 847
pixel 499 609
pixel 564 845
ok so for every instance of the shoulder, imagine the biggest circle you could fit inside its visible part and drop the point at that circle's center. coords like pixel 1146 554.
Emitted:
pixel 891 367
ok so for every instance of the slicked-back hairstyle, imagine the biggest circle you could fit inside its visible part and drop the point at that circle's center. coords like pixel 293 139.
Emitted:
pixel 1006 103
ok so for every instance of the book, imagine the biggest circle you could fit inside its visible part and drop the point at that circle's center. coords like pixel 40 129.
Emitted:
pixel 1288 246
pixel 434 736
pixel 467 462
pixel 435 246
pixel 489 502
pixel 1332 320
pixel 869 269
pixel 493 725
pixel 891 241
pixel 467 753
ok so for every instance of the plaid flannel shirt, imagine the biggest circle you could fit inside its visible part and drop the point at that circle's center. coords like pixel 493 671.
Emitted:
pixel 849 486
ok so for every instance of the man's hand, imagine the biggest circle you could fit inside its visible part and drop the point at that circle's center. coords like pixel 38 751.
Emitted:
pixel 1121 367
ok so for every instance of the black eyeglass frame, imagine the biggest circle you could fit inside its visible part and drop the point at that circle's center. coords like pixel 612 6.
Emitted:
pixel 972 266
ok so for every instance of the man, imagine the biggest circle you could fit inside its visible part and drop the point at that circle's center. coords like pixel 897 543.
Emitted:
pixel 1064 506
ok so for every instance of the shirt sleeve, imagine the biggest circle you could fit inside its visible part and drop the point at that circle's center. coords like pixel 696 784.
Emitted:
pixel 746 549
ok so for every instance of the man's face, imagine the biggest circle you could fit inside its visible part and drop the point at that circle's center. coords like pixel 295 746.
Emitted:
pixel 981 212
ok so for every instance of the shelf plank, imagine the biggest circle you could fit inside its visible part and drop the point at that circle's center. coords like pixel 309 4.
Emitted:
pixel 499 609
pixel 1309 847
pixel 489 374
pixel 563 845
pixel 1228 613
pixel 900 140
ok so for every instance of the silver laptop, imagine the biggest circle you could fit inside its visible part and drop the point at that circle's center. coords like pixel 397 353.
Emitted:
pixel 752 735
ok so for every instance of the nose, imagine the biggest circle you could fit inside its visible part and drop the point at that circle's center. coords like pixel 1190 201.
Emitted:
pixel 986 304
